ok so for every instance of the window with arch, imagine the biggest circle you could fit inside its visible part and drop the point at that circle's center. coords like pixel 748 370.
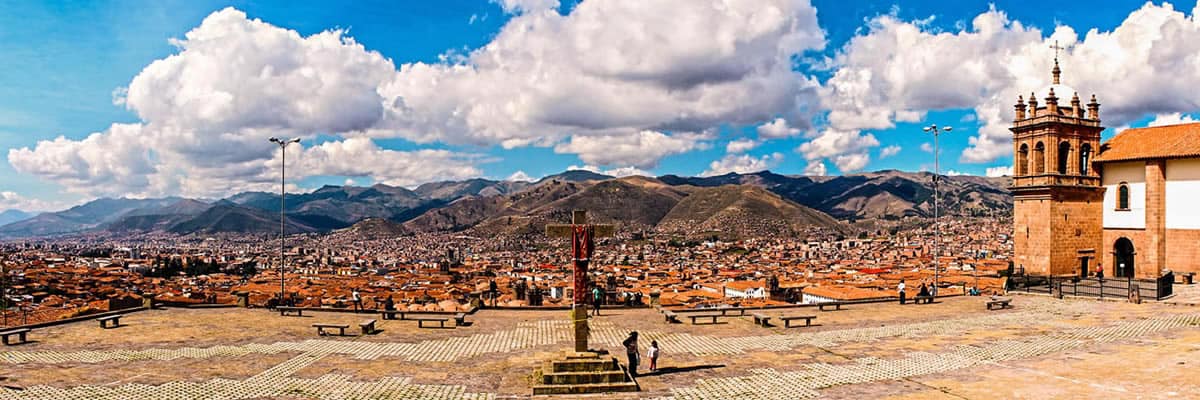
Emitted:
pixel 1123 197
pixel 1064 157
pixel 1039 158
pixel 1023 160
pixel 1085 155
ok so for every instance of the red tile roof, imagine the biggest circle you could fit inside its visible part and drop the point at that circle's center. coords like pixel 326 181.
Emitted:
pixel 1171 141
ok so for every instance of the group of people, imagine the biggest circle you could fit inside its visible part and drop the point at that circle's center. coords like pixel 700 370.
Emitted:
pixel 633 353
pixel 923 291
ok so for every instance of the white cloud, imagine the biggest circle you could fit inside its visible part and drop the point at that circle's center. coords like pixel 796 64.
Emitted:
pixel 815 168
pixel 956 173
pixel 642 150
pixel 1146 65
pixel 999 171
pixel 15 201
pixel 616 172
pixel 361 157
pixel 927 147
pixel 1171 119
pixel 889 151
pixel 777 128
pixel 742 164
pixel 520 176
pixel 848 150
pixel 741 145
pixel 520 6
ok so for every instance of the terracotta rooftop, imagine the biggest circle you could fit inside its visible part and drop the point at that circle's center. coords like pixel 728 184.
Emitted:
pixel 1171 141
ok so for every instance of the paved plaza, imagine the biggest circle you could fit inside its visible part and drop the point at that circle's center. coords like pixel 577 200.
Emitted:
pixel 1041 348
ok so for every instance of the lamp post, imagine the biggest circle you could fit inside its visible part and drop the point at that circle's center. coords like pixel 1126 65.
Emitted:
pixel 937 229
pixel 282 204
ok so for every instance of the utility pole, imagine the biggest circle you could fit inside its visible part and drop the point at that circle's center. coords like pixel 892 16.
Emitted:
pixel 937 229
pixel 282 206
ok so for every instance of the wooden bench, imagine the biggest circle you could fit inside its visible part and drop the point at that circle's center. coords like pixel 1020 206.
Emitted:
pixel 440 320
pixel 321 328
pixel 20 333
pixel 460 319
pixel 116 321
pixel 286 310
pixel 671 316
pixel 713 316
pixel 787 320
pixel 923 300
pixel 837 305
pixel 368 326
pixel 739 310
pixel 761 319
pixel 999 302
pixel 391 314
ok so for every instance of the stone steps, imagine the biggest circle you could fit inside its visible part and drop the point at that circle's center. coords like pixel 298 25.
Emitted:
pixel 585 388
pixel 583 365
pixel 577 378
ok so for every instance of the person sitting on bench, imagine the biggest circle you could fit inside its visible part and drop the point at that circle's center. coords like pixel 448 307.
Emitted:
pixel 923 291
pixel 389 305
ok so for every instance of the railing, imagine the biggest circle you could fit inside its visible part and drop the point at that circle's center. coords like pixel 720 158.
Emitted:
pixel 1046 179
pixel 1125 288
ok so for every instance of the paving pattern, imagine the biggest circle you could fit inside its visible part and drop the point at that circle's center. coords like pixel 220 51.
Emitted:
pixel 543 333
pixel 799 380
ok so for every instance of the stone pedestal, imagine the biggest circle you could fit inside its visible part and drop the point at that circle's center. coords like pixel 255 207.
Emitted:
pixel 579 323
pixel 243 299
pixel 581 373
pixel 147 301
pixel 654 298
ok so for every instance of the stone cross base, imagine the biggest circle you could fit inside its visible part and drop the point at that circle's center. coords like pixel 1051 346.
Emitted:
pixel 579 323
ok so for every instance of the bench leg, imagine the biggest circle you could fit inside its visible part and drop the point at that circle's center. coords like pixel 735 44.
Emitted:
pixel 5 339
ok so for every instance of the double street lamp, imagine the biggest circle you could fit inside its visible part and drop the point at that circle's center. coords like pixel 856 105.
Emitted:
pixel 937 229
pixel 282 204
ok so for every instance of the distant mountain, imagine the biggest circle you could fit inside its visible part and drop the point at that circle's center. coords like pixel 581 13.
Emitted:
pixel 10 216
pixel 576 175
pixel 452 190
pixel 742 211
pixel 227 217
pixel 80 218
pixel 158 218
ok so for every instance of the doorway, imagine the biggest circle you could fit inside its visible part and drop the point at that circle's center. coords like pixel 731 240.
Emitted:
pixel 1083 267
pixel 1123 253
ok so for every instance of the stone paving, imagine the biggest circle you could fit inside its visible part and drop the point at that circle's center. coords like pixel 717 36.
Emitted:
pixel 849 357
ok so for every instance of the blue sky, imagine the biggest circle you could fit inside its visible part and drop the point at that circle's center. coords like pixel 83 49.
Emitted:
pixel 64 60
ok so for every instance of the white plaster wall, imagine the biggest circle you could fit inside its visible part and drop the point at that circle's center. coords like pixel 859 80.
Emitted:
pixel 1183 194
pixel 1133 174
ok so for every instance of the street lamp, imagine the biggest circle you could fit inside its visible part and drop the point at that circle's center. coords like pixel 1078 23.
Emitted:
pixel 937 229
pixel 282 203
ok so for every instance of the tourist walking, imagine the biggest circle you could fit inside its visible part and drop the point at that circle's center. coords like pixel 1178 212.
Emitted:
pixel 1099 272
pixel 357 300
pixel 653 353
pixel 597 300
pixel 631 352
pixel 900 288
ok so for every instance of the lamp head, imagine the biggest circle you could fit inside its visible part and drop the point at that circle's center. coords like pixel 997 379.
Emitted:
pixel 274 139
pixel 947 129
pixel 294 140
pixel 926 129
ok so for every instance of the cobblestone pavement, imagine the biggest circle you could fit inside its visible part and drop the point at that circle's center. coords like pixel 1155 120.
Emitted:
pixel 1045 327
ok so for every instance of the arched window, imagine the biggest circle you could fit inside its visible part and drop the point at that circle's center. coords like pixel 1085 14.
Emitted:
pixel 1123 196
pixel 1039 158
pixel 1023 160
pixel 1085 155
pixel 1064 157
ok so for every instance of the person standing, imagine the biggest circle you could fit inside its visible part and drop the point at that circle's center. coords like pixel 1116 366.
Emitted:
pixel 653 353
pixel 597 300
pixel 631 352
pixel 900 287
pixel 357 300
pixel 1099 271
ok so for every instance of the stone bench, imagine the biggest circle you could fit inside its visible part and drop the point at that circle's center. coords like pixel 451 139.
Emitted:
pixel 837 305
pixel 761 319
pixel 787 320
pixel 923 300
pixel 725 310
pixel 368 326
pixel 20 333
pixel 391 314
pixel 999 303
pixel 712 316
pixel 422 320
pixel 321 328
pixel 671 316
pixel 104 321
pixel 460 319
pixel 284 311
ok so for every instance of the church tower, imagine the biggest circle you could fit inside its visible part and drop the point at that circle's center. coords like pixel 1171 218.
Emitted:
pixel 1058 197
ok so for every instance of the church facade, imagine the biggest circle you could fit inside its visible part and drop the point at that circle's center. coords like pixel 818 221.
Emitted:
pixel 1130 206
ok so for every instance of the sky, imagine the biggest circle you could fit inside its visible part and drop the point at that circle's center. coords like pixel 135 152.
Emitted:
pixel 161 98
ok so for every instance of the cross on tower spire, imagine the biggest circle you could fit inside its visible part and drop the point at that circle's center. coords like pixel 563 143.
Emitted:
pixel 1056 72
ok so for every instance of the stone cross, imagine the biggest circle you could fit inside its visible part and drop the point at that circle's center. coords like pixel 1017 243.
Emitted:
pixel 582 237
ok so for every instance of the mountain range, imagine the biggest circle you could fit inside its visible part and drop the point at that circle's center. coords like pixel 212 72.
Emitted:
pixel 732 204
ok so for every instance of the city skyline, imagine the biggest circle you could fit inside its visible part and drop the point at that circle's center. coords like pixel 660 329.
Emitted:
pixel 523 90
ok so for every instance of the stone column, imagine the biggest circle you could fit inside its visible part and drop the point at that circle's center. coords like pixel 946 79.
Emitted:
pixel 579 316
pixel 654 298
pixel 1156 228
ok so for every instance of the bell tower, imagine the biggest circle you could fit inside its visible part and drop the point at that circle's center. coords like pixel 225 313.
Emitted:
pixel 1057 195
